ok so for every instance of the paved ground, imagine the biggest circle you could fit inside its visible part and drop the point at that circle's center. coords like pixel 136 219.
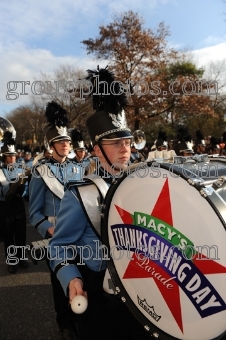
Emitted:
pixel 26 303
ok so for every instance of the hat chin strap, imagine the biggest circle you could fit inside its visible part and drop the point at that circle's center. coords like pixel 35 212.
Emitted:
pixel 106 157
pixel 104 153
pixel 57 152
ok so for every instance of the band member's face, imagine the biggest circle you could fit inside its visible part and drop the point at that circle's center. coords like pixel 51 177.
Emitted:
pixel 80 154
pixel 162 147
pixel 27 156
pixel 187 153
pixel 202 148
pixel 118 151
pixel 10 159
pixel 216 151
pixel 62 147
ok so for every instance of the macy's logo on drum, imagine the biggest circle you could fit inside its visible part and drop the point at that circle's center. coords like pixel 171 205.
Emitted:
pixel 169 269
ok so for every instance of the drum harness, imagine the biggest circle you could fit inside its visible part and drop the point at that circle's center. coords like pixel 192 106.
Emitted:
pixel 93 212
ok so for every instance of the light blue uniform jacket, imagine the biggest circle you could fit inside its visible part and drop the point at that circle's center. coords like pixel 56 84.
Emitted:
pixel 10 178
pixel 43 202
pixel 73 235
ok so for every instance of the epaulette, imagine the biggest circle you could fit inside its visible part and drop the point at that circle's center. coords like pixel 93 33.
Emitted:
pixel 68 161
pixel 84 181
pixel 34 167
pixel 42 161
pixel 21 166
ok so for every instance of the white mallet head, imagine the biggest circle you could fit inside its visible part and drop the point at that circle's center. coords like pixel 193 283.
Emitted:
pixel 79 304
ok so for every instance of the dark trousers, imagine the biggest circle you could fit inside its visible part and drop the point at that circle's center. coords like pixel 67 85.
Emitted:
pixel 13 226
pixel 64 315
pixel 106 317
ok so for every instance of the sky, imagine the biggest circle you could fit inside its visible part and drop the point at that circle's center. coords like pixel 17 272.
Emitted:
pixel 40 36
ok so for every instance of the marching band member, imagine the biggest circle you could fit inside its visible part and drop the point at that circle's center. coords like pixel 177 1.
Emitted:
pixel 79 149
pixel 13 215
pixel 184 145
pixel 28 160
pixel 78 146
pixel 159 149
pixel 214 147
pixel 19 156
pixel 46 189
pixel 200 145
pixel 106 316
pixel 136 156
pixel 91 158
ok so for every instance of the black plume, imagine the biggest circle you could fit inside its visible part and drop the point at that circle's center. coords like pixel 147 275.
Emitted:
pixel 107 95
pixel 213 140
pixel 199 135
pixel 183 134
pixel 8 138
pixel 224 136
pixel 76 136
pixel 162 135
pixel 56 115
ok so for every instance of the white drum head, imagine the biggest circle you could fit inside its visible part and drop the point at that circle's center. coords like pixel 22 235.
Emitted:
pixel 177 283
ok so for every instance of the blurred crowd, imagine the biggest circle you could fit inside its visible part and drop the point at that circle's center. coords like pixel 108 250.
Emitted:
pixel 183 145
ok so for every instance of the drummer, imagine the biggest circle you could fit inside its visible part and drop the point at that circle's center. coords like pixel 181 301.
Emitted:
pixel 106 317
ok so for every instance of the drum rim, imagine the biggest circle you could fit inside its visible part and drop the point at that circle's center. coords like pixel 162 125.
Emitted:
pixel 112 268
pixel 113 272
pixel 207 198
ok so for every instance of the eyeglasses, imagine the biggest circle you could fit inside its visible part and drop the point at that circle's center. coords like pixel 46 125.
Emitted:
pixel 63 141
pixel 118 144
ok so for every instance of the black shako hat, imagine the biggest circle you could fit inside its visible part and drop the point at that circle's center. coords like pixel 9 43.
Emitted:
pixel 77 140
pixel 184 147
pixel 109 101
pixel 8 148
pixel 199 138
pixel 184 141
pixel 214 143
pixel 57 119
pixel 161 139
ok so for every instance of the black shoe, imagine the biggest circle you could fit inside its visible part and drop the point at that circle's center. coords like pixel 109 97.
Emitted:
pixel 23 263
pixel 12 268
pixel 69 334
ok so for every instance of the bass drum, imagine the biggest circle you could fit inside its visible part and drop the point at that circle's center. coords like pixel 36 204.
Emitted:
pixel 164 226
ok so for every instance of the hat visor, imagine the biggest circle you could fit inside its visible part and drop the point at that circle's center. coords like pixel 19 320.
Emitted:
pixel 59 138
pixel 162 146
pixel 118 135
pixel 9 153
pixel 188 151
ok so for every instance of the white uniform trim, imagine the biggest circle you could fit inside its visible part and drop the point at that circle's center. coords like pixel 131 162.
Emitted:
pixel 51 181
pixel 93 211
pixel 3 179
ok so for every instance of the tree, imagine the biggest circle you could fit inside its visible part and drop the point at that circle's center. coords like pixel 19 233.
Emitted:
pixel 29 123
pixel 62 86
pixel 143 62
pixel 187 93
pixel 66 88
pixel 134 54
